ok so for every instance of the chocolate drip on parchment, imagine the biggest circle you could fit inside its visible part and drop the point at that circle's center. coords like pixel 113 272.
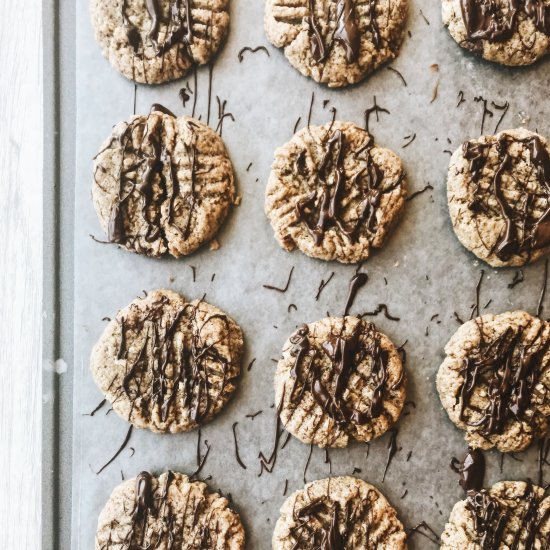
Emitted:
pixel 152 180
pixel 509 369
pixel 324 524
pixel 491 517
pixel 471 470
pixel 322 208
pixel 344 355
pixel 527 220
pixel 163 375
pixel 498 20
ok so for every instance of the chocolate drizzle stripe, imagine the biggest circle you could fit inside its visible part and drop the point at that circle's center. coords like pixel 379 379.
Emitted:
pixel 120 449
pixel 237 455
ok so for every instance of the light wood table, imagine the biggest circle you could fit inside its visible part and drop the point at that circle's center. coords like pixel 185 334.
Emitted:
pixel 21 272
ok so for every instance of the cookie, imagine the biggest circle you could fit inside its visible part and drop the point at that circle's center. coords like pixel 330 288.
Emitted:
pixel 339 379
pixel 162 184
pixel 336 42
pixel 338 512
pixel 167 364
pixel 511 514
pixel 333 193
pixel 509 33
pixel 170 511
pixel 498 191
pixel 495 380
pixel 154 41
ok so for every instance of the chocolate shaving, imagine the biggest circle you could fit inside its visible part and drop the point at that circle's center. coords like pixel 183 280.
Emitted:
pixel 398 74
pixel 374 109
pixel 416 193
pixel 251 50
pixel 382 308
pixel 121 448
pixel 518 278
pixel 237 456
pixel 201 460
pixel 410 138
pixel 392 450
pixel 322 285
pixel 540 306
pixel 431 535
pixel 285 288
pixel 97 408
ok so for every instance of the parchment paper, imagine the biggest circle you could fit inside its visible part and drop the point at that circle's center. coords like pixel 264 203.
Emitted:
pixel 427 270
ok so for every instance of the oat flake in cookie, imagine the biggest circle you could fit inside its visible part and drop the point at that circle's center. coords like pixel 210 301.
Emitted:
pixel 495 381
pixel 511 514
pixel 162 184
pixel 167 364
pixel 509 32
pixel 339 379
pixel 168 512
pixel 498 191
pixel 336 42
pixel 338 513
pixel 154 41
pixel 333 193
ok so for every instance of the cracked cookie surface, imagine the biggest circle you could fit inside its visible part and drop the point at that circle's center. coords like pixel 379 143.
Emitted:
pixel 336 42
pixel 167 512
pixel 511 514
pixel 333 193
pixel 509 33
pixel 343 512
pixel 339 379
pixel 167 364
pixel 498 192
pixel 155 41
pixel 495 381
pixel 162 184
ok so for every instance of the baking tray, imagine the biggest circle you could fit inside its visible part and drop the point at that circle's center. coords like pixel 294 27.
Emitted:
pixel 422 271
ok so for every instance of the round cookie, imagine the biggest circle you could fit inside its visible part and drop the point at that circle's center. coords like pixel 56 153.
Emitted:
pixel 339 379
pixel 170 511
pixel 154 41
pixel 509 33
pixel 498 191
pixel 162 184
pixel 333 193
pixel 511 514
pixel 336 42
pixel 166 364
pixel 495 380
pixel 338 512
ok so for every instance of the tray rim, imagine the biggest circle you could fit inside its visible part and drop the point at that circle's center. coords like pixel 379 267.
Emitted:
pixel 58 66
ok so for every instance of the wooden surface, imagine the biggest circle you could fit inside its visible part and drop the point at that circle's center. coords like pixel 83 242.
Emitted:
pixel 21 269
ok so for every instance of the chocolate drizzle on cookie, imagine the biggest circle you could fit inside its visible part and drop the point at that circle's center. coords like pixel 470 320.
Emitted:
pixel 330 385
pixel 346 31
pixel 497 21
pixel 154 522
pixel 322 523
pixel 506 370
pixel 323 207
pixel 492 516
pixel 526 219
pixel 178 20
pixel 148 181
pixel 176 366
